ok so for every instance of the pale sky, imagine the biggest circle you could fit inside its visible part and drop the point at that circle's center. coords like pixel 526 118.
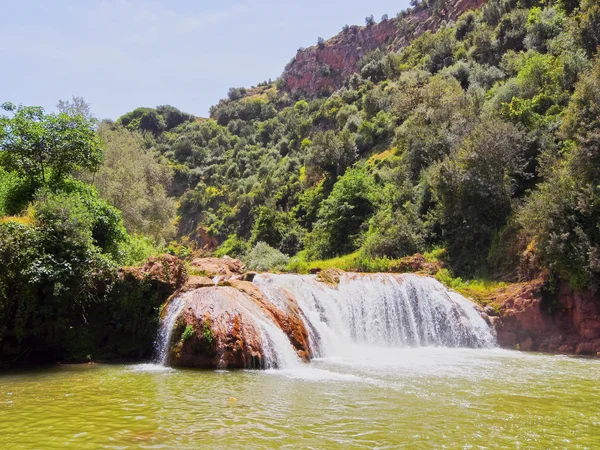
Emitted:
pixel 121 54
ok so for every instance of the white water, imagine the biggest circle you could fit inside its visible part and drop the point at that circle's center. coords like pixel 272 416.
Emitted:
pixel 380 310
pixel 166 330
pixel 362 315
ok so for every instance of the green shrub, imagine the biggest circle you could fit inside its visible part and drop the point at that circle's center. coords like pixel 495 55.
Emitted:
pixel 263 257
pixel 188 332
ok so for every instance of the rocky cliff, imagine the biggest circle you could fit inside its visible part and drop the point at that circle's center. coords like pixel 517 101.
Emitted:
pixel 323 68
pixel 529 319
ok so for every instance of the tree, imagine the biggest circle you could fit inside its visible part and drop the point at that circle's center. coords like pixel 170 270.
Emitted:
pixel 560 219
pixel 474 189
pixel 343 215
pixel 78 106
pixel 330 155
pixel 135 181
pixel 320 42
pixel 47 147
pixel 370 20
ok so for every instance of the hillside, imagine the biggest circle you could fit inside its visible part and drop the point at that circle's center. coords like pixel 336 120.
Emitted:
pixel 464 132
pixel 462 144
pixel 323 68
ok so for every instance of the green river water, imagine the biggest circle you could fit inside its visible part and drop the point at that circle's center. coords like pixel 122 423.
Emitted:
pixel 377 398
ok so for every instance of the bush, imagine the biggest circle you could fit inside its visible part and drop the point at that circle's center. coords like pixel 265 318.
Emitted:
pixel 263 257
pixel 343 215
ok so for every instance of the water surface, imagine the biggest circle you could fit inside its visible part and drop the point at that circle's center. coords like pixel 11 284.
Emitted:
pixel 369 397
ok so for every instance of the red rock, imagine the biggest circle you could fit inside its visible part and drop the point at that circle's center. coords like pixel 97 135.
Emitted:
pixel 225 330
pixel 569 324
pixel 165 272
pixel 219 266
pixel 320 68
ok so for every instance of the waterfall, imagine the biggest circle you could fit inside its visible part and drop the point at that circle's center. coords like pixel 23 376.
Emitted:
pixel 381 310
pixel 161 345
pixel 361 312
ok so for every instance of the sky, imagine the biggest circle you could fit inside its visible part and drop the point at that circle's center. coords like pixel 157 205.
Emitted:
pixel 121 54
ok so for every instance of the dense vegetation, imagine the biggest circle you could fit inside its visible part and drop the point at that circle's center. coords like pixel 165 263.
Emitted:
pixel 477 144
pixel 62 239
pixel 479 139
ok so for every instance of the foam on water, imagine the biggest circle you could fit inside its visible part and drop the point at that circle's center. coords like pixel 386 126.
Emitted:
pixel 359 320
pixel 380 310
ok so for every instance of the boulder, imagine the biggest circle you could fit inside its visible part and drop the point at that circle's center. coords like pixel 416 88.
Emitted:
pixel 165 273
pixel 228 326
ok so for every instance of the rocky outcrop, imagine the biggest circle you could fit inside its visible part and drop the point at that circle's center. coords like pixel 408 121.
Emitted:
pixel 164 274
pixel 225 266
pixel 566 322
pixel 325 67
pixel 231 326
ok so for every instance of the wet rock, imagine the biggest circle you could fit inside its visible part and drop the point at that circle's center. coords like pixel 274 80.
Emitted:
pixel 224 327
pixel 526 345
pixel 490 311
pixel 197 281
pixel 225 266
pixel 330 276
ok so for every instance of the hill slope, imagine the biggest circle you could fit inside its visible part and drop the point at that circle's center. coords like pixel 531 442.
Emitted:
pixel 478 137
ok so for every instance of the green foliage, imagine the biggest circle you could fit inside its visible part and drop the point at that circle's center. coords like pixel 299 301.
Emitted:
pixel 47 147
pixel 560 218
pixel 138 249
pixel 474 190
pixel 155 121
pixel 188 332
pixel 135 181
pixel 207 332
pixel 262 258
pixel 233 247
pixel 344 214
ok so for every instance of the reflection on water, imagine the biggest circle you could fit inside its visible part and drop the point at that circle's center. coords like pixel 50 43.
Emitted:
pixel 370 397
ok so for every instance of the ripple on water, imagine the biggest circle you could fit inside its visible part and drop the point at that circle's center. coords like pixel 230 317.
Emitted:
pixel 384 398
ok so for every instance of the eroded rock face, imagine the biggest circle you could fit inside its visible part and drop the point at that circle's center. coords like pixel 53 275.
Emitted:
pixel 225 266
pixel 569 322
pixel 320 68
pixel 233 326
pixel 165 273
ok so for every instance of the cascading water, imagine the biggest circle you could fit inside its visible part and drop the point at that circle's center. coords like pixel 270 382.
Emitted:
pixel 276 347
pixel 165 331
pixel 381 310
pixel 360 313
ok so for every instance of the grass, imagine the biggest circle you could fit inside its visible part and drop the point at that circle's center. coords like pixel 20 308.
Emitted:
pixel 24 220
pixel 382 156
pixel 479 290
pixel 354 262
pixel 187 333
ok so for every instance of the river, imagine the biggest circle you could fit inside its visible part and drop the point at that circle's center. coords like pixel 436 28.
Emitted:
pixel 370 397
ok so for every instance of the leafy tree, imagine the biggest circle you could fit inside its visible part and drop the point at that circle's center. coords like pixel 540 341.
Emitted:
pixel 47 147
pixel 343 215
pixel 76 106
pixel 135 181
pixel 329 155
pixel 262 257
pixel 474 189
